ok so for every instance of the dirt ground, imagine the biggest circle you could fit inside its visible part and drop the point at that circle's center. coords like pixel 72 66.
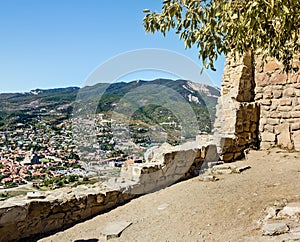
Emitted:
pixel 225 210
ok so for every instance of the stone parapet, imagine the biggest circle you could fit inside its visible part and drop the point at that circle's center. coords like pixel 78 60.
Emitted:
pixel 172 164
pixel 21 217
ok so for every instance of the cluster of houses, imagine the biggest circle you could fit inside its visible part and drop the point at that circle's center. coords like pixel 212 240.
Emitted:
pixel 35 168
pixel 45 150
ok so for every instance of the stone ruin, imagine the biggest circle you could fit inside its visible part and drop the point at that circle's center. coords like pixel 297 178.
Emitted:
pixel 259 109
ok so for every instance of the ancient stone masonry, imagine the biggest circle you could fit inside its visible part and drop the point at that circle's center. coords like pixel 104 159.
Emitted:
pixel 278 95
pixel 237 114
pixel 165 165
pixel 21 217
pixel 259 107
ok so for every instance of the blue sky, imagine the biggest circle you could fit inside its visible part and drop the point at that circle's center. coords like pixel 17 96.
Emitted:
pixel 58 43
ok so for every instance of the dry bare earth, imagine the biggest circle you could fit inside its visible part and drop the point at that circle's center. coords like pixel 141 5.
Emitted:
pixel 225 210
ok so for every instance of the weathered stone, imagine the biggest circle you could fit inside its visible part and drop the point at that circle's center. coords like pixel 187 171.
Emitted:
pixel 284 136
pixel 277 93
pixel 271 66
pixel 285 109
pixel 285 102
pixel 273 121
pixel 268 94
pixel 12 214
pixel 269 128
pixel 296 140
pixel 266 145
pixel 261 79
pixel 35 195
pixel 268 137
pixel 274 228
pixel 295 126
pixel 291 209
pixel 207 178
pixel 284 115
pixel 163 206
pixel 266 102
pixel 222 171
pixel 278 79
pixel 228 157
pixel 114 229
pixel 295 114
pixel 289 92
pixel 271 213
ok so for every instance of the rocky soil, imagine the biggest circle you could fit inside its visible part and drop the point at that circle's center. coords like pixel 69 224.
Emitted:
pixel 236 207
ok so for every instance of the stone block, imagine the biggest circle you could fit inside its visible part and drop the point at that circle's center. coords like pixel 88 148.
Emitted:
pixel 285 108
pixel 207 178
pixel 284 136
pixel 114 229
pixel 267 136
pixel 258 96
pixel 266 102
pixel 285 102
pixel 12 215
pixel 278 78
pixel 271 66
pixel 273 121
pixel 266 145
pixel 277 93
pixel 228 157
pixel 296 140
pixel 261 79
pixel 289 92
pixel 284 115
pixel 268 94
pixel 211 153
pixel 295 114
pixel 269 128
pixel 292 209
pixel 275 229
pixel 295 126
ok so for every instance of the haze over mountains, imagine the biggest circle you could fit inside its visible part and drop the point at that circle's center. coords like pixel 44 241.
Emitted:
pixel 56 105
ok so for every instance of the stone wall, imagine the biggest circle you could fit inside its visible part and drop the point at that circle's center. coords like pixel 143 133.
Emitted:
pixel 165 166
pixel 237 113
pixel 21 217
pixel 278 95
pixel 259 107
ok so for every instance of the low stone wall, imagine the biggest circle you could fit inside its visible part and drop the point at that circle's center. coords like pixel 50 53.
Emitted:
pixel 166 165
pixel 21 217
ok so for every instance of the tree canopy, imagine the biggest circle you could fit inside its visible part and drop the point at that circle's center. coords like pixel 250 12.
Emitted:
pixel 268 27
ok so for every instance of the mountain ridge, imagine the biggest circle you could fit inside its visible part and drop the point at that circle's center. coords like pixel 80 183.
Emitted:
pixel 59 102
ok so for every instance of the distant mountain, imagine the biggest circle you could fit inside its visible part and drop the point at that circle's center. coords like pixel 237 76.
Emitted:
pixel 57 104
pixel 54 90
